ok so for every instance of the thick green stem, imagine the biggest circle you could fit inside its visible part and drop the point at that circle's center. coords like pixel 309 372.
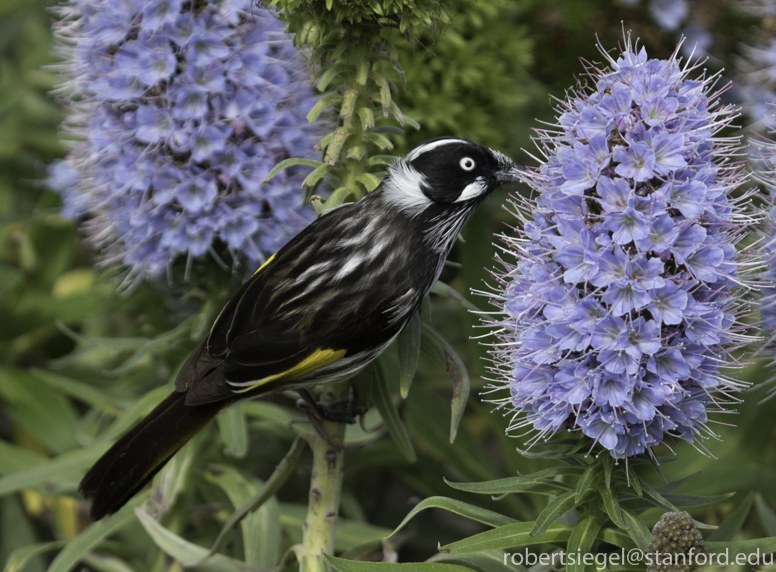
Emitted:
pixel 325 485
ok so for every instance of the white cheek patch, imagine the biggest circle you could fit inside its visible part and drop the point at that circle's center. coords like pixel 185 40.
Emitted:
pixel 403 188
pixel 473 190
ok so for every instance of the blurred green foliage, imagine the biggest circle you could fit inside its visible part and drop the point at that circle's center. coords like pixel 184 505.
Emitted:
pixel 81 361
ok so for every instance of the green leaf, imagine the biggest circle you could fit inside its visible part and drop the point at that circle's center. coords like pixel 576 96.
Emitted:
pixel 261 528
pixel 315 176
pixel 390 415
pixel 732 548
pixel 337 198
pixel 20 557
pixel 322 104
pixel 369 180
pixel 767 516
pixel 53 470
pixel 659 499
pixel 464 509
pixel 509 536
pixel 441 289
pixel 327 76
pixel 612 506
pixel 106 563
pixel 17 459
pixel 335 145
pixel 608 463
pixel 408 346
pixel 367 118
pixel 379 139
pixel 279 476
pixel 388 160
pixel 287 163
pixel 559 506
pixel 513 485
pixel 586 480
pixel 443 353
pixel 188 553
pixel 78 390
pixel 633 479
pixel 343 565
pixel 581 540
pixel 489 561
pixel 385 92
pixel 82 544
pixel 234 431
pixel 734 521
pixel 637 530
pixel 47 415
pixel 617 538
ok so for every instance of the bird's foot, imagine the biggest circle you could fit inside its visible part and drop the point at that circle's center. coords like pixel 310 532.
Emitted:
pixel 339 410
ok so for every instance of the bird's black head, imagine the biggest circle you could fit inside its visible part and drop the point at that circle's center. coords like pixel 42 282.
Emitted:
pixel 447 171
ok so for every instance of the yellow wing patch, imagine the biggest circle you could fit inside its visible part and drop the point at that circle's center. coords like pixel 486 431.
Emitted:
pixel 318 358
pixel 263 265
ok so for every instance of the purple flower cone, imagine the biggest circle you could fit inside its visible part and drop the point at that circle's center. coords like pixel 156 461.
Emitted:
pixel 177 113
pixel 624 303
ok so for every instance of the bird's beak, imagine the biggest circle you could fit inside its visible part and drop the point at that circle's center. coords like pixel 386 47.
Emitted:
pixel 509 174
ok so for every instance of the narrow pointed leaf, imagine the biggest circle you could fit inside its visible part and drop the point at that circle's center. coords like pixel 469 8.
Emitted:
pixel 767 516
pixel 396 427
pixel 367 118
pixel 273 483
pixel 612 506
pixel 444 354
pixel 467 510
pixel 51 471
pixel 234 432
pixel 343 565
pixel 608 463
pixel 637 529
pixel 441 289
pixel 651 493
pixel 312 180
pixel 369 180
pixel 513 485
pixel 764 545
pixel 188 553
pixel 633 480
pixel 617 537
pixel 559 506
pixel 509 536
pixel 408 345
pixel 337 198
pixel 586 480
pixel 93 534
pixel 19 558
pixel 734 521
pixel 581 541
pixel 489 561
pixel 322 104
pixel 327 76
pixel 285 164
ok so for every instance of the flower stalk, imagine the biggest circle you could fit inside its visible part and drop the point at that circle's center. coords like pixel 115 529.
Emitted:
pixel 325 486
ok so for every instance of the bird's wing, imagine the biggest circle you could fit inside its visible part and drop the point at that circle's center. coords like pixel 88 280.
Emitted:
pixel 251 343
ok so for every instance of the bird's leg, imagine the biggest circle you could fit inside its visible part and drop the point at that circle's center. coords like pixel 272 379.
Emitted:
pixel 339 410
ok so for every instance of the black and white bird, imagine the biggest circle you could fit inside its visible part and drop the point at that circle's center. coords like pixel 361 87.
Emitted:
pixel 319 310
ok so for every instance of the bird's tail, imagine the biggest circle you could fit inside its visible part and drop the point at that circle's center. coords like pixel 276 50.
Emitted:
pixel 135 458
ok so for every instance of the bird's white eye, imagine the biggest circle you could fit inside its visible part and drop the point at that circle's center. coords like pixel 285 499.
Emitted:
pixel 467 164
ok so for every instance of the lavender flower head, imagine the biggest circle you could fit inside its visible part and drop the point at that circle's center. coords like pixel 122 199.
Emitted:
pixel 178 111
pixel 624 301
